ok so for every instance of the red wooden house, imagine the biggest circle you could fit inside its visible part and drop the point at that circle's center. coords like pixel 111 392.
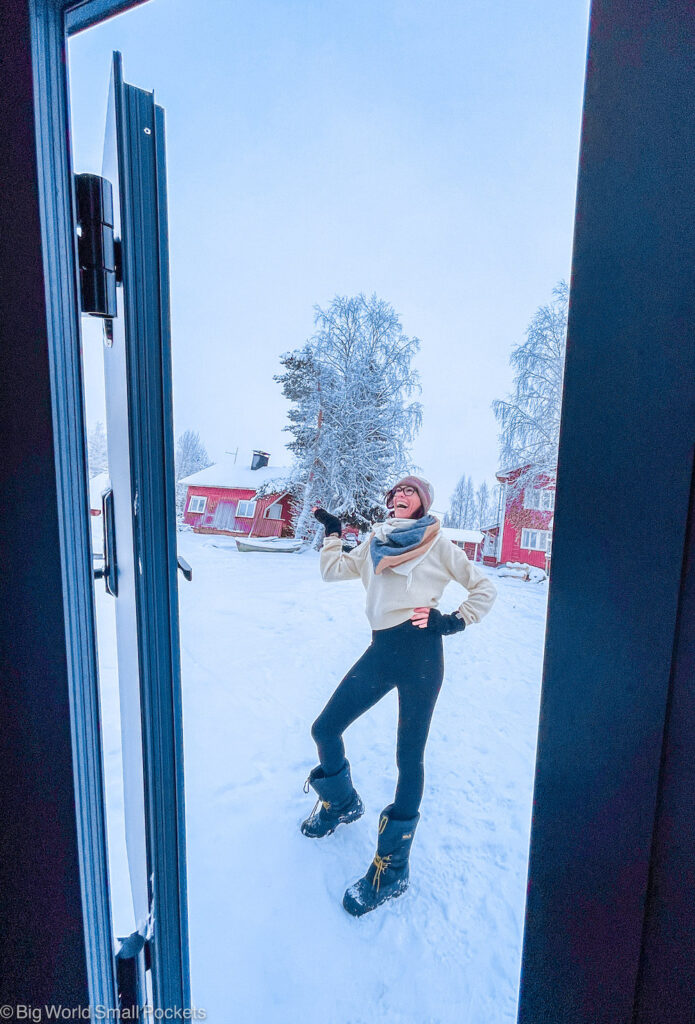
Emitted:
pixel 224 499
pixel 524 528
pixel 468 540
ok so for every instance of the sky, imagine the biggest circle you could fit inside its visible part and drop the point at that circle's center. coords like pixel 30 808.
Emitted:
pixel 425 151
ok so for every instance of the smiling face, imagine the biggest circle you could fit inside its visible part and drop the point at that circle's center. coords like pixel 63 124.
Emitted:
pixel 406 503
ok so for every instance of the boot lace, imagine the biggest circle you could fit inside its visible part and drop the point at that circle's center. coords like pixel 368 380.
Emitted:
pixel 324 803
pixel 380 865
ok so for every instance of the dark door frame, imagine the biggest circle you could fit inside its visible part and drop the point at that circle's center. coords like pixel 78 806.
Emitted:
pixel 618 575
pixel 627 413
pixel 56 910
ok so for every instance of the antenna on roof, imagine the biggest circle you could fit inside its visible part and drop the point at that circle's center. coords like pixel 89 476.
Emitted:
pixel 235 453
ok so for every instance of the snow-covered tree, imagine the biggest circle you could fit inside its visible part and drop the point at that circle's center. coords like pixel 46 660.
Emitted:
pixel 351 417
pixel 530 417
pixel 484 512
pixel 471 508
pixel 191 456
pixel 461 514
pixel 97 455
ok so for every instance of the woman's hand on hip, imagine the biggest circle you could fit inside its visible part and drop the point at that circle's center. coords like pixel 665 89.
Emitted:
pixel 420 617
pixel 436 622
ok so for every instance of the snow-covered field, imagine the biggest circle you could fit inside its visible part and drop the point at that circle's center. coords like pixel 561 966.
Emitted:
pixel 264 643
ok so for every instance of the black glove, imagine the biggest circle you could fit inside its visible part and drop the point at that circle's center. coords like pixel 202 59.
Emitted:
pixel 444 625
pixel 331 524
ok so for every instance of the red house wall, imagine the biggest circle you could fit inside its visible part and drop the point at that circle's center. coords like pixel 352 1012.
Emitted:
pixel 258 526
pixel 518 518
pixel 469 548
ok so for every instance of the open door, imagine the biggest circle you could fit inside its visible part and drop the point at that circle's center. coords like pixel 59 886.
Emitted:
pixel 140 530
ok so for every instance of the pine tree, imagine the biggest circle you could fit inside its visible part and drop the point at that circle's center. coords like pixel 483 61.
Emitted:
pixel 530 418
pixel 350 419
pixel 97 454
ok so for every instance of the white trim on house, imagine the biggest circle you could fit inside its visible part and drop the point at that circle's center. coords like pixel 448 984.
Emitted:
pixel 196 499
pixel 540 498
pixel 243 506
pixel 536 540
pixel 502 518
pixel 278 507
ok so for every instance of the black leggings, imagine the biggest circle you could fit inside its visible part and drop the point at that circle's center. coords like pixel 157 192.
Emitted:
pixel 411 659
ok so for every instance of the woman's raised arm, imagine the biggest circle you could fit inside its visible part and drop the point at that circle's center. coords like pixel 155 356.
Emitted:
pixel 337 564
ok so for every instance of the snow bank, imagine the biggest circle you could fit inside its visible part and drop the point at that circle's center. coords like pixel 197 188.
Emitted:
pixel 264 642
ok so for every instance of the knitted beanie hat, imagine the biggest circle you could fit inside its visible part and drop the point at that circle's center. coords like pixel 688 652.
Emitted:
pixel 423 487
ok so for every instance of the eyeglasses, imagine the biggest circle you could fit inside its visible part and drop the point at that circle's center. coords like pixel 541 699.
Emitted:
pixel 407 491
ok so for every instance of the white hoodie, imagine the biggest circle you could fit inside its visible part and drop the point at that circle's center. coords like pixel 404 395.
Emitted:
pixel 393 595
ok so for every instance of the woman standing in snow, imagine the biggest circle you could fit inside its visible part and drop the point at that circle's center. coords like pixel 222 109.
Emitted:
pixel 404 565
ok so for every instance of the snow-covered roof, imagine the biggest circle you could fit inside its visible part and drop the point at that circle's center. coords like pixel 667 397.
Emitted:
pixel 227 473
pixel 463 536
pixel 98 484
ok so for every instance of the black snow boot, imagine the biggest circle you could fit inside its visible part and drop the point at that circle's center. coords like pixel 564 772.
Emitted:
pixel 387 875
pixel 338 802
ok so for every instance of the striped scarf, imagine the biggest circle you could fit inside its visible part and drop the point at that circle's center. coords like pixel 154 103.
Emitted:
pixel 401 540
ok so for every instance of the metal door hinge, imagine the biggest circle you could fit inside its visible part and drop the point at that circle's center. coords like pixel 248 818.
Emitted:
pixel 97 249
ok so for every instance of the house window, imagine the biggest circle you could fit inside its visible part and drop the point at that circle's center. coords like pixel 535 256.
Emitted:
pixel 542 499
pixel 246 509
pixel 274 511
pixel 197 503
pixel 536 540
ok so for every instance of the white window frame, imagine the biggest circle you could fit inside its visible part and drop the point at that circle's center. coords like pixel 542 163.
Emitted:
pixel 197 498
pixel 244 503
pixel 542 538
pixel 542 499
pixel 267 515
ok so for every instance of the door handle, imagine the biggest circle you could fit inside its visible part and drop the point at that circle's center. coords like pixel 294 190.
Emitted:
pixel 109 571
pixel 185 568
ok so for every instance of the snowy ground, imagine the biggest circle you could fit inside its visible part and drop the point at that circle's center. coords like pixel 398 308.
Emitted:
pixel 264 642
